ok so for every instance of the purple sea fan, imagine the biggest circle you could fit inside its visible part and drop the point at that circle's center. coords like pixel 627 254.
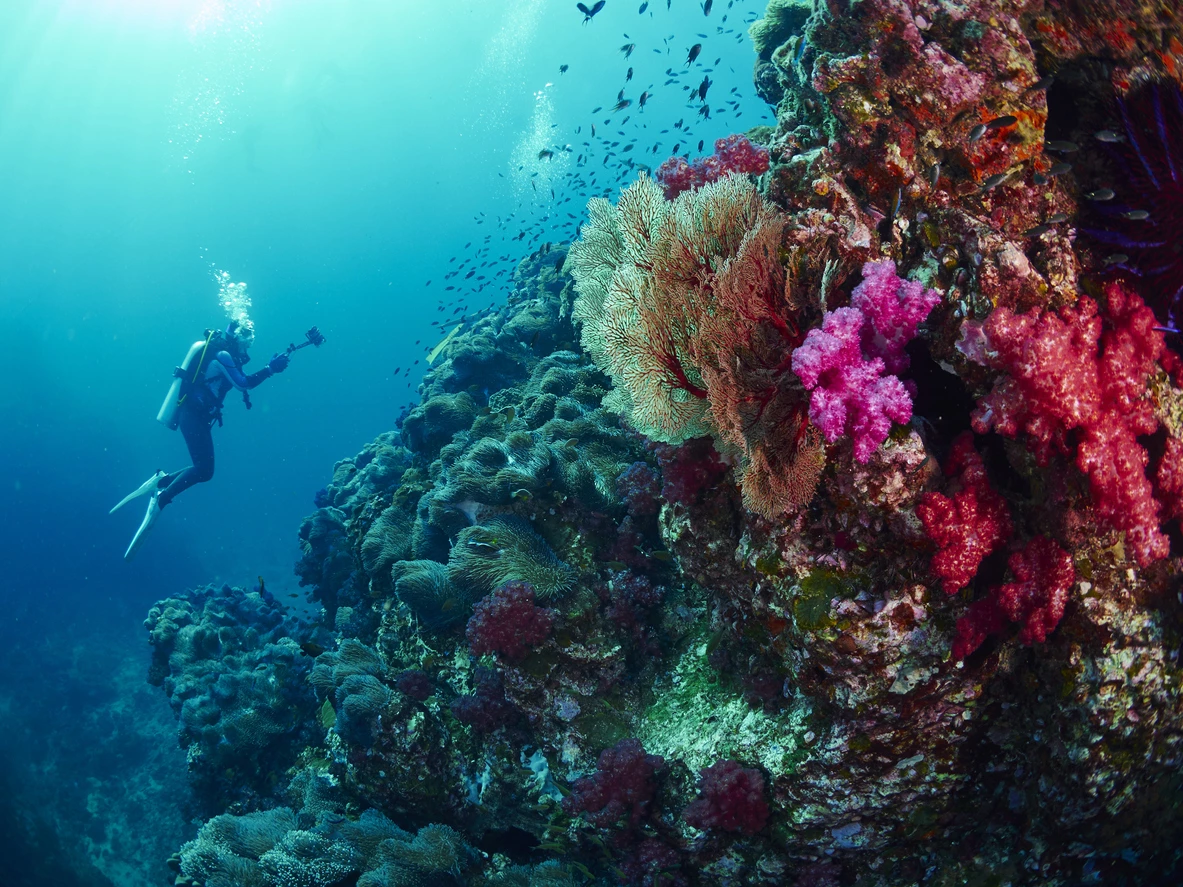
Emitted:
pixel 1145 225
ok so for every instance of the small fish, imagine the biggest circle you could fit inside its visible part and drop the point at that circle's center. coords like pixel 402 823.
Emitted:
pixel 589 14
pixel 1061 146
pixel 934 174
pixel 563 69
pixel 311 648
pixel 622 104
pixel 262 587
pixel 509 413
pixel 703 87
pixel 1002 122
pixel 485 547
pixel 693 54
pixel 571 442
pixel 628 48
pixel 1108 136
pixel 1040 179
pixel 1041 84
pixel 1057 218
pixel 616 566
pixel 628 75
pixel 977 132
pixel 1136 215
pixel 661 555
pixel 1037 231
pixel 546 154
pixel 644 6
pixel 1117 259
pixel 706 7
pixel 995 180
pixel 641 102
pixel 523 494
pixel 1059 169
pixel 1101 195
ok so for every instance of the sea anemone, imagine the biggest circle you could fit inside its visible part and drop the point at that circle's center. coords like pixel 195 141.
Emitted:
pixel 1145 221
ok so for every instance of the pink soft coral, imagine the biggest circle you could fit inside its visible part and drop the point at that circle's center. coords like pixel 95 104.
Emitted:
pixel 968 526
pixel 895 308
pixel 1082 370
pixel 843 362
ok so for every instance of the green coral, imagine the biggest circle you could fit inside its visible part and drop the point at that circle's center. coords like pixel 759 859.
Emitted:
pixel 782 19
pixel 504 549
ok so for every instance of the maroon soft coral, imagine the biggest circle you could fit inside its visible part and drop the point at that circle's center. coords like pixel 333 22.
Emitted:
pixel 730 798
pixel 623 785
pixel 508 622
pixel 969 526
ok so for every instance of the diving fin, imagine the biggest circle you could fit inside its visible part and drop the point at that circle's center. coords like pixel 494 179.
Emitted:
pixel 148 486
pixel 149 519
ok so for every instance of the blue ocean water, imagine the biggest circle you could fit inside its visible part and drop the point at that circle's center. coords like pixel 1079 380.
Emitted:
pixel 334 156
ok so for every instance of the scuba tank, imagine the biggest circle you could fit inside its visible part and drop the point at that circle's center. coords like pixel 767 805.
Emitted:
pixel 184 376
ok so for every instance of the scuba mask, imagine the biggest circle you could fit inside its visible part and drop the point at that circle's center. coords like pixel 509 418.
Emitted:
pixel 239 338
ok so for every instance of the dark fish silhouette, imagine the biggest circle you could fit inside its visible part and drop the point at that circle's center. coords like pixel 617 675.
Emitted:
pixel 644 98
pixel 628 76
pixel 693 54
pixel 644 6
pixel 589 14
pixel 628 48
pixel 563 69
pixel 706 7
pixel 703 87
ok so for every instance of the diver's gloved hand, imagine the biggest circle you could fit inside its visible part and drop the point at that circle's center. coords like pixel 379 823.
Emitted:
pixel 279 363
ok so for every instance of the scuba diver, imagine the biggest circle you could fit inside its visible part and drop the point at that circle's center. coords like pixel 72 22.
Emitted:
pixel 213 366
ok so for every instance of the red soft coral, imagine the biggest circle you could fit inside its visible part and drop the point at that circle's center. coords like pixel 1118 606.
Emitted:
pixel 968 526
pixel 1082 370
pixel 1043 577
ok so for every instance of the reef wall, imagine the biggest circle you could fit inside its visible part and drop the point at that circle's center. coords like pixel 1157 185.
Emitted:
pixel 810 526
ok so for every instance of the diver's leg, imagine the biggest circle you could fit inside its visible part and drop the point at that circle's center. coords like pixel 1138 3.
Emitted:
pixel 199 438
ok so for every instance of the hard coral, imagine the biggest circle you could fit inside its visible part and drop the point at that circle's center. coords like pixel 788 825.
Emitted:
pixel 1081 369
pixel 623 786
pixel 508 622
pixel 968 526
pixel 732 154
pixel 730 798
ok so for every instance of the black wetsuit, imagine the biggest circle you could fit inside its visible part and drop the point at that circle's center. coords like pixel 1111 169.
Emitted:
pixel 196 415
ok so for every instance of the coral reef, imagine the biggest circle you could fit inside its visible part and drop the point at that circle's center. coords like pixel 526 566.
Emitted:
pixel 235 675
pixel 662 582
